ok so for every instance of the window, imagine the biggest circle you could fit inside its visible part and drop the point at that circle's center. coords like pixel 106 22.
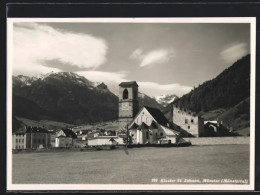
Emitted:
pixel 191 121
pixel 151 134
pixel 22 140
pixel 43 141
pixel 39 141
pixel 19 140
pixel 188 126
pixel 155 134
pixel 186 121
pixel 16 147
pixel 147 135
pixel 16 140
pixel 125 94
pixel 161 134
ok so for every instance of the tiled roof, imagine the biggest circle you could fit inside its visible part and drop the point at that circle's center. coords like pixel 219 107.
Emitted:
pixel 157 115
pixel 130 83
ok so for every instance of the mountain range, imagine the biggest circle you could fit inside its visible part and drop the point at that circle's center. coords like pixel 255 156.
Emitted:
pixel 63 96
pixel 66 97
pixel 165 99
pixel 69 98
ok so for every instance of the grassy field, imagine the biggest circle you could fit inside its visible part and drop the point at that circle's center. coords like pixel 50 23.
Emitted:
pixel 139 166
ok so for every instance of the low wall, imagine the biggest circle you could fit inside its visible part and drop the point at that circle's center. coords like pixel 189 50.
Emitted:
pixel 217 140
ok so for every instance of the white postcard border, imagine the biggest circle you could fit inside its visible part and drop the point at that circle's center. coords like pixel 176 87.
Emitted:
pixel 250 186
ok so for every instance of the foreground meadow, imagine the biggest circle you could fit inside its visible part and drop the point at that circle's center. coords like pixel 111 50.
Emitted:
pixel 136 166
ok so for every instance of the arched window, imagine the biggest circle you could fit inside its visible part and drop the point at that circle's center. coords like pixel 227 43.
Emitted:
pixel 125 94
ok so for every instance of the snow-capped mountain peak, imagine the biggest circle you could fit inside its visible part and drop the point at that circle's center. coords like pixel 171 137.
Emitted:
pixel 165 99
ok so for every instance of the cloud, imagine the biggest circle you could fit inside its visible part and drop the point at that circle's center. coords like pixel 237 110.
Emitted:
pixel 157 56
pixel 100 76
pixel 136 53
pixel 233 52
pixel 35 43
pixel 156 89
pixel 112 79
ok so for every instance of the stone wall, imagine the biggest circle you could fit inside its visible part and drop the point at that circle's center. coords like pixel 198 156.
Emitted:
pixel 217 140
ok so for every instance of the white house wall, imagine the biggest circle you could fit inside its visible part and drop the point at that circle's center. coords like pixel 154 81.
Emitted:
pixel 104 141
pixel 143 116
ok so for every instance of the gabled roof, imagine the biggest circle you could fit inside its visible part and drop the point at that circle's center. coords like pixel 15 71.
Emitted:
pixel 134 126
pixel 153 125
pixel 143 126
pixel 130 83
pixel 157 115
pixel 169 132
pixel 69 133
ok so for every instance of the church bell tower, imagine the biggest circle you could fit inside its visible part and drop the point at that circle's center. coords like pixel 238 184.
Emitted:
pixel 128 102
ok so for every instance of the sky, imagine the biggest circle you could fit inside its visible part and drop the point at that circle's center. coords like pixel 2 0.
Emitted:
pixel 164 58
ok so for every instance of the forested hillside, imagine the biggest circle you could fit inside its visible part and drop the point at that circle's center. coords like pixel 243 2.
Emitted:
pixel 225 91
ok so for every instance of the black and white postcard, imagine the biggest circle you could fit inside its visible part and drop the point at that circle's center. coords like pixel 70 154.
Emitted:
pixel 131 103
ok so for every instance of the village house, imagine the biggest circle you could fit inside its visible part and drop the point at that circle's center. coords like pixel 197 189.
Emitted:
pixel 19 140
pixel 151 126
pixel 63 138
pixel 105 140
pixel 31 137
pixel 188 122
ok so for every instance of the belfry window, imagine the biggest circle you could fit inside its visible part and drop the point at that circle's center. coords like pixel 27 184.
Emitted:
pixel 125 94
